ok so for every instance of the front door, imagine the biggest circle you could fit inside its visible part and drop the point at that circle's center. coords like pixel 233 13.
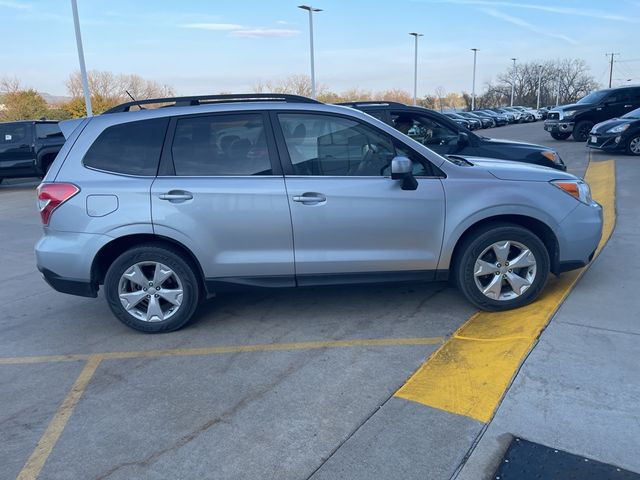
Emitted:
pixel 350 219
pixel 225 200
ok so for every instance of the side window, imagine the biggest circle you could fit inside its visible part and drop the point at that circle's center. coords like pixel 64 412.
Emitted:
pixel 221 145
pixel 424 129
pixel 132 148
pixel 379 114
pixel 14 133
pixel 48 130
pixel 336 146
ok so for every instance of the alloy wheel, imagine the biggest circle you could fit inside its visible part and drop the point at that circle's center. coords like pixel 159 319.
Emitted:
pixel 505 270
pixel 150 291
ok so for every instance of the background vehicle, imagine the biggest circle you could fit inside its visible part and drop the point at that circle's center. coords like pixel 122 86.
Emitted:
pixel 499 118
pixel 468 123
pixel 28 148
pixel 512 117
pixel 617 134
pixel 578 118
pixel 163 208
pixel 443 135
pixel 485 121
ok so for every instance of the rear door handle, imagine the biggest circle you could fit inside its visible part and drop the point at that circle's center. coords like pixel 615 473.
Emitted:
pixel 176 196
pixel 310 198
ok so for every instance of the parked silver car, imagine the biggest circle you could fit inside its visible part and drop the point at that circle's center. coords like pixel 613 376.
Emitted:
pixel 164 207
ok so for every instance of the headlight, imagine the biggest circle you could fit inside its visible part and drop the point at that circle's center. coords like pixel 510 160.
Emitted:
pixel 619 128
pixel 576 188
pixel 550 155
pixel 569 113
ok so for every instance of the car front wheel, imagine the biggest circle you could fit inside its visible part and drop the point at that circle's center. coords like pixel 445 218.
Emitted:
pixel 633 147
pixel 581 130
pixel 152 288
pixel 560 136
pixel 502 267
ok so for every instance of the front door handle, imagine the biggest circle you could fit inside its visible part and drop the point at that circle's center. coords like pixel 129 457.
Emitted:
pixel 176 196
pixel 628 106
pixel 310 198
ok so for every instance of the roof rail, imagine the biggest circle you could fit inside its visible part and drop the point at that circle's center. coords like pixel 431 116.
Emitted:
pixel 372 102
pixel 206 99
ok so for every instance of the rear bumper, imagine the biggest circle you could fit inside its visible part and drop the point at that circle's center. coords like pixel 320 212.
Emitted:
pixel 71 286
pixel 554 126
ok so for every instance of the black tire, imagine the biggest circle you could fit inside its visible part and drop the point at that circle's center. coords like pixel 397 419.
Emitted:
pixel 581 130
pixel 560 135
pixel 181 266
pixel 632 145
pixel 477 242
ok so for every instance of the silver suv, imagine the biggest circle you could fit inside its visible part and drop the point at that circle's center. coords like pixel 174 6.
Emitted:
pixel 167 206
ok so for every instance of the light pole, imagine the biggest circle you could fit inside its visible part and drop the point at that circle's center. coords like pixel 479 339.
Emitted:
pixel 310 9
pixel 539 81
pixel 513 80
pixel 83 69
pixel 415 68
pixel 473 85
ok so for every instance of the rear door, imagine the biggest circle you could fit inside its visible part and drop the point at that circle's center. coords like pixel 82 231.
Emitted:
pixel 221 192
pixel 351 221
pixel 16 148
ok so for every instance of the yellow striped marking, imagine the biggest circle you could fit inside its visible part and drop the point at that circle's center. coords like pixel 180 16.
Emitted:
pixel 471 371
pixel 36 461
pixel 265 347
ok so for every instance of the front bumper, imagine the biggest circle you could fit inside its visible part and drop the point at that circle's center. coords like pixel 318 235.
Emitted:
pixel 606 141
pixel 558 126
pixel 579 236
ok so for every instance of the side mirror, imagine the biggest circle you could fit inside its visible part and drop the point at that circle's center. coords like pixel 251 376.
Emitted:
pixel 463 139
pixel 402 169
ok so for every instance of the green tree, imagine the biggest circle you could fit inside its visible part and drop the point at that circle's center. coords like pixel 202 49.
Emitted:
pixel 23 105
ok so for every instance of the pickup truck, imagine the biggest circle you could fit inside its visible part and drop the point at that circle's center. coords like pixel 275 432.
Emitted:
pixel 28 148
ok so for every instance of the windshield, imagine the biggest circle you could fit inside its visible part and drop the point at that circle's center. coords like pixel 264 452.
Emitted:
pixel 594 97
pixel 633 114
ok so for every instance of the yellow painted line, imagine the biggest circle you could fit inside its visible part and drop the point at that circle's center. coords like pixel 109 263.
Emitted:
pixel 265 347
pixel 36 461
pixel 471 371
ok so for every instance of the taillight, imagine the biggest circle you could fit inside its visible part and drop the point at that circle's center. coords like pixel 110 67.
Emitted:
pixel 51 196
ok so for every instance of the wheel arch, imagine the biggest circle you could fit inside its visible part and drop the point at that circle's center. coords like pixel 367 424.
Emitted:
pixel 536 226
pixel 112 250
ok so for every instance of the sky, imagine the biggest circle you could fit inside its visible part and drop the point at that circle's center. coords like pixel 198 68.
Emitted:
pixel 204 47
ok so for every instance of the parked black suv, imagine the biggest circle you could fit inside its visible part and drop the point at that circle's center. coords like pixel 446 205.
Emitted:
pixel 578 118
pixel 444 136
pixel 28 148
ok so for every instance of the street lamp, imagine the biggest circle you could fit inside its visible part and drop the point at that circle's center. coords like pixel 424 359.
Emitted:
pixel 415 68
pixel 310 9
pixel 83 69
pixel 473 87
pixel 513 80
pixel 539 81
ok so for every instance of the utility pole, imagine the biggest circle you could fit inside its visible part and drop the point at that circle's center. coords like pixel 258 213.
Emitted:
pixel 415 69
pixel 473 88
pixel 513 80
pixel 539 81
pixel 311 10
pixel 83 69
pixel 611 66
pixel 558 91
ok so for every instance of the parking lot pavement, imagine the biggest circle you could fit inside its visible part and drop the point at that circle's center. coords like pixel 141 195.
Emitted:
pixel 276 384
pixel 579 391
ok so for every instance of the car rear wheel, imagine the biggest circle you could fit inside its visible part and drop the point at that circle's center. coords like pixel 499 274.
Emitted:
pixel 581 130
pixel 152 288
pixel 560 135
pixel 501 267
pixel 633 147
